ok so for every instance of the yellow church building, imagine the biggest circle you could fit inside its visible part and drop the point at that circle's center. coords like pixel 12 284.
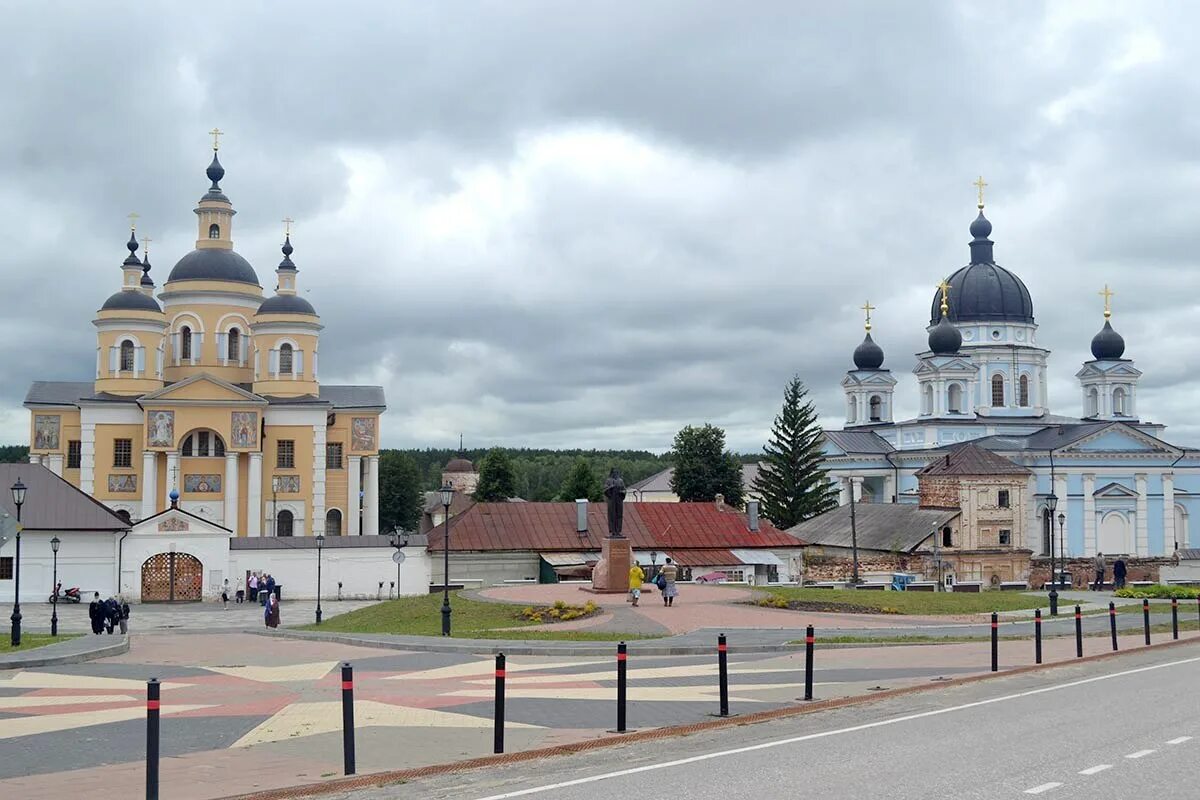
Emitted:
pixel 208 395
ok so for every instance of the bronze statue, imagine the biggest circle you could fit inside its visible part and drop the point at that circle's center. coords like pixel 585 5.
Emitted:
pixel 614 494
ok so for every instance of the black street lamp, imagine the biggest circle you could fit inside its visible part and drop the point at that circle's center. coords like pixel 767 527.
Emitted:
pixel 398 538
pixel 1051 505
pixel 853 536
pixel 320 544
pixel 54 543
pixel 447 498
pixel 18 498
pixel 653 566
pixel 1062 548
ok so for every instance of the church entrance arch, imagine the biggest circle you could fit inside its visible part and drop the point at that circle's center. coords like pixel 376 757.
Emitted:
pixel 171 578
pixel 1114 535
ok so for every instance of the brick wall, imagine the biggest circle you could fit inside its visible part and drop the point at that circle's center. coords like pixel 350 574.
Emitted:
pixel 832 568
pixel 939 492
pixel 1082 571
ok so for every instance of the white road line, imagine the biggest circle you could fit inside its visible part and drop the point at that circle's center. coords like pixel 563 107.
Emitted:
pixel 1140 753
pixel 821 735
pixel 1095 769
pixel 1180 740
pixel 1045 787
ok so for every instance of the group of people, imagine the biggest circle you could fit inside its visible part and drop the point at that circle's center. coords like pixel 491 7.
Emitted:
pixel 664 580
pixel 262 591
pixel 107 615
pixel 1101 565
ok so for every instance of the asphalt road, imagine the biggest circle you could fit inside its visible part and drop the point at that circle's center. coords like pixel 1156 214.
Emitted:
pixel 1116 728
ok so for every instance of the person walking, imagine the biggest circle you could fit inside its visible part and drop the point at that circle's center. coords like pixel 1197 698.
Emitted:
pixel 669 573
pixel 124 618
pixel 270 585
pixel 1119 570
pixel 1100 565
pixel 239 596
pixel 112 614
pixel 271 612
pixel 225 594
pixel 253 584
pixel 636 578
pixel 96 614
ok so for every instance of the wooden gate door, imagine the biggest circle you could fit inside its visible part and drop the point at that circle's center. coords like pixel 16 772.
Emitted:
pixel 169 577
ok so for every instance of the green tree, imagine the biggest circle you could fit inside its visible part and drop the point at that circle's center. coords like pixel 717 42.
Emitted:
pixel 704 468
pixel 497 478
pixel 14 454
pixel 791 482
pixel 580 483
pixel 400 496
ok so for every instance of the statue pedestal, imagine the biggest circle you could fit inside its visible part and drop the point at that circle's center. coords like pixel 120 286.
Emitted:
pixel 611 575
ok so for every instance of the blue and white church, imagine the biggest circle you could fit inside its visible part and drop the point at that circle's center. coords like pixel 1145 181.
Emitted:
pixel 1119 486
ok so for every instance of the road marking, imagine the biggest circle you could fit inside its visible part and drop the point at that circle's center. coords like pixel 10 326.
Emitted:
pixel 1140 753
pixel 823 734
pixel 1180 740
pixel 1045 787
pixel 1095 769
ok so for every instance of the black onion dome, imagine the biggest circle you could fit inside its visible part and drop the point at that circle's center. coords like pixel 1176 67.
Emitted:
pixel 945 339
pixel 127 300
pixel 147 281
pixel 1108 345
pixel 213 264
pixel 287 255
pixel 215 173
pixel 286 304
pixel 983 291
pixel 868 355
pixel 131 260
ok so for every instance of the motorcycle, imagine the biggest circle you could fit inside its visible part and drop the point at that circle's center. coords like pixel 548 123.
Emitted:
pixel 65 596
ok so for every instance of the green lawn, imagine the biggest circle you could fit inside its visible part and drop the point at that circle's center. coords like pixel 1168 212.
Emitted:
pixel 29 641
pixel 918 603
pixel 471 619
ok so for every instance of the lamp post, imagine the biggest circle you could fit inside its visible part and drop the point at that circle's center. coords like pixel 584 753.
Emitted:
pixel 320 544
pixel 18 498
pixel 398 539
pixel 275 506
pixel 447 497
pixel 653 558
pixel 853 536
pixel 1051 505
pixel 54 543
pixel 1062 548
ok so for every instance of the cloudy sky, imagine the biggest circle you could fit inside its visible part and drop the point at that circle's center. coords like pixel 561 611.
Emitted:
pixel 564 224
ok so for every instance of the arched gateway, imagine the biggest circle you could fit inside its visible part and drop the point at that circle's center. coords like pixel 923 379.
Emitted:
pixel 172 577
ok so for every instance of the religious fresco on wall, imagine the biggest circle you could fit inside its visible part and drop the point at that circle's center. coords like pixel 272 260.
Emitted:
pixel 122 483
pixel 173 524
pixel 202 483
pixel 286 484
pixel 45 431
pixel 160 428
pixel 244 429
pixel 362 433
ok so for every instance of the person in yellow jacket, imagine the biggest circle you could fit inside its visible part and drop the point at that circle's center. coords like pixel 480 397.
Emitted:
pixel 636 579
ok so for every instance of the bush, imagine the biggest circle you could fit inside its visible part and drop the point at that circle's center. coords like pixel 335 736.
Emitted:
pixel 1159 591
pixel 773 601
pixel 559 612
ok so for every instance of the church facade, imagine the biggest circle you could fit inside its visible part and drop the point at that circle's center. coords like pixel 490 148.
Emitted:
pixel 207 397
pixel 1117 485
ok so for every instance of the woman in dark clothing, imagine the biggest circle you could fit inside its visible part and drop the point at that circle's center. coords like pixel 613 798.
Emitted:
pixel 1119 574
pixel 96 614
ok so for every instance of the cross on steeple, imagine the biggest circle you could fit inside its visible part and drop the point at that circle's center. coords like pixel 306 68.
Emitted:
pixel 216 133
pixel 287 226
pixel 868 308
pixel 133 218
pixel 1107 294
pixel 979 184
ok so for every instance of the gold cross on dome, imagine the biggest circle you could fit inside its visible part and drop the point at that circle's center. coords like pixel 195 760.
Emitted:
pixel 868 308
pixel 133 218
pixel 287 226
pixel 1107 294
pixel 979 184
pixel 945 287
pixel 146 245
pixel 216 133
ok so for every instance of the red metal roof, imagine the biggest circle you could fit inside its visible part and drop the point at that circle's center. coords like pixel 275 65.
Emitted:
pixel 661 526
pixel 705 558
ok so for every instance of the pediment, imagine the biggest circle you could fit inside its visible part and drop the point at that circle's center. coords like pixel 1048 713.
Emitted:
pixel 1120 438
pixel 176 521
pixel 203 388
pixel 1109 369
pixel 1114 490
pixel 942 364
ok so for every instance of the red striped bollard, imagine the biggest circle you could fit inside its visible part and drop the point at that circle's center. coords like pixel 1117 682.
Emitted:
pixel 1146 619
pixel 1112 623
pixel 1078 632
pixel 347 718
pixel 809 641
pixel 622 655
pixel 152 703
pixel 995 642
pixel 1037 636
pixel 501 674
pixel 1174 618
pixel 723 673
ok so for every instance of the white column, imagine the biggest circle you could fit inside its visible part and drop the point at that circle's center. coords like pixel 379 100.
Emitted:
pixel 231 492
pixel 173 477
pixel 149 483
pixel 1089 515
pixel 1143 528
pixel 843 491
pixel 1033 529
pixel 317 524
pixel 1060 490
pixel 1170 540
pixel 371 498
pixel 55 463
pixel 353 468
pixel 87 457
pixel 889 489
pixel 254 506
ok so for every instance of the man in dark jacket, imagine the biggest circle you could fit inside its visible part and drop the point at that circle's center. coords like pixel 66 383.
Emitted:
pixel 1119 570
pixel 96 614
pixel 112 614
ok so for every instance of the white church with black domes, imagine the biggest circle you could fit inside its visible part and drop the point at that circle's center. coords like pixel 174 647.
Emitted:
pixel 1119 486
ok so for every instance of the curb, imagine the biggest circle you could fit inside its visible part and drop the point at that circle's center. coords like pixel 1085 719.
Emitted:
pixel 393 777
pixel 41 658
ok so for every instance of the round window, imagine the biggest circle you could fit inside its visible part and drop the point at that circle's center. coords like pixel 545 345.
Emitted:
pixel 995 334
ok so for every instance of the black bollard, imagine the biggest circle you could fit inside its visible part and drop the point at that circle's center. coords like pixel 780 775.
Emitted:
pixel 152 690
pixel 622 655
pixel 1174 618
pixel 1078 632
pixel 995 642
pixel 809 641
pixel 723 670
pixel 1037 636
pixel 1146 619
pixel 1112 623
pixel 498 740
pixel 347 718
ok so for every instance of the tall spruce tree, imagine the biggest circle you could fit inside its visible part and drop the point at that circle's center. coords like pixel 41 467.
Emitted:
pixel 791 482
pixel 580 483
pixel 497 478
pixel 704 468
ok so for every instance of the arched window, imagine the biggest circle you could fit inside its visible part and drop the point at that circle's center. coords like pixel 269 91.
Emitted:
pixel 333 523
pixel 285 359
pixel 851 409
pixel 927 399
pixel 185 342
pixel 876 408
pixel 997 390
pixel 284 522
pixel 1024 391
pixel 1093 402
pixel 127 356
pixel 1118 402
pixel 947 537
pixel 235 345
pixel 202 444
pixel 954 398
pixel 214 231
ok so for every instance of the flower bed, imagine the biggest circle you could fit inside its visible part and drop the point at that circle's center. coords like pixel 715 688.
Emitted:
pixel 561 611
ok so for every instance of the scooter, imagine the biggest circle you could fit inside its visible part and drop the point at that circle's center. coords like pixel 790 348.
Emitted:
pixel 66 596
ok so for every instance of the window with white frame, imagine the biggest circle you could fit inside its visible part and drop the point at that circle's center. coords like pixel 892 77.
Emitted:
pixel 202 444
pixel 127 356
pixel 876 404
pixel 185 343
pixel 284 523
pixel 997 390
pixel 1118 402
pixel 285 359
pixel 1023 391
pixel 234 345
